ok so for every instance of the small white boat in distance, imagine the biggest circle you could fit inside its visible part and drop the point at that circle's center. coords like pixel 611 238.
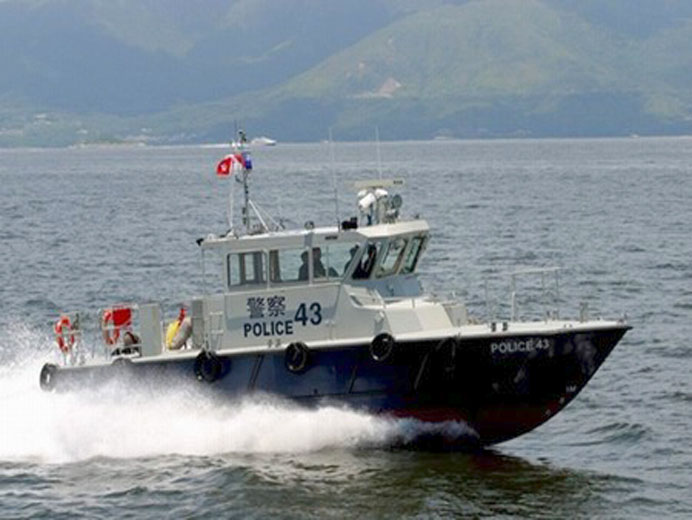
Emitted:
pixel 263 140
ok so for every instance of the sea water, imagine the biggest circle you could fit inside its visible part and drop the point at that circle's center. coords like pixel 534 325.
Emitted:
pixel 81 229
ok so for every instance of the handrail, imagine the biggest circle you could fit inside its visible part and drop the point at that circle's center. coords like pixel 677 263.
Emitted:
pixel 215 331
pixel 550 292
pixel 542 271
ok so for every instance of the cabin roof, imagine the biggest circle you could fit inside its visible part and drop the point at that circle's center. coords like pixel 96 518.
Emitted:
pixel 310 237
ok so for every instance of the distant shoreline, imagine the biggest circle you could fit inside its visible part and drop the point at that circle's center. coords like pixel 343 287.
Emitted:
pixel 223 145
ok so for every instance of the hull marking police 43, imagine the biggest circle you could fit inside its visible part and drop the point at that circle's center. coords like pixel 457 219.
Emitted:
pixel 307 314
pixel 512 346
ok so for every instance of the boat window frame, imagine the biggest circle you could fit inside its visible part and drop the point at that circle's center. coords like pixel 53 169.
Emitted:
pixel 379 270
pixel 289 283
pixel 326 249
pixel 263 282
pixel 379 245
pixel 423 238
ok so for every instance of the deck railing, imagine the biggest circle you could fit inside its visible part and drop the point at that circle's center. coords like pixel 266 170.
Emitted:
pixel 548 299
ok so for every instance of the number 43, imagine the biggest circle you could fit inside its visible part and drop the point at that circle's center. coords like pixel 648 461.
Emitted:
pixel 315 313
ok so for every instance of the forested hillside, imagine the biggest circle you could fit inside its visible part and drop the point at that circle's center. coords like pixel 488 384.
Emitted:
pixel 165 71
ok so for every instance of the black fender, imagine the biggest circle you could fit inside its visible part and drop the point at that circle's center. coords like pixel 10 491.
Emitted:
pixel 382 346
pixel 47 377
pixel 208 367
pixel 297 357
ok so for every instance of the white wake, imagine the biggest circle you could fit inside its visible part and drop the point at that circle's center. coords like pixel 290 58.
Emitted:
pixel 123 422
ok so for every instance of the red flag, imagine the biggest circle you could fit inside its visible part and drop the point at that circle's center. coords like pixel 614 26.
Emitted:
pixel 230 164
pixel 223 169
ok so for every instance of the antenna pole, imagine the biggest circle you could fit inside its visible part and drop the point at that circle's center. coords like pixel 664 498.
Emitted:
pixel 239 145
pixel 246 203
pixel 336 193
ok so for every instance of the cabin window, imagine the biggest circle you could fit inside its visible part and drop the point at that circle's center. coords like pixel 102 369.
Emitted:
pixel 331 262
pixel 392 258
pixel 413 254
pixel 367 261
pixel 245 268
pixel 288 265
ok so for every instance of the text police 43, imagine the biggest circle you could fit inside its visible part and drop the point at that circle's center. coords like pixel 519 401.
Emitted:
pixel 272 313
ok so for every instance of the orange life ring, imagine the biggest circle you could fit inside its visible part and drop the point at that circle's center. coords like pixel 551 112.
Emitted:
pixel 108 326
pixel 64 324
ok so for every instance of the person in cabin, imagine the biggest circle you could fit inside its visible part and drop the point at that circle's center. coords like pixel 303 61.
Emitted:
pixel 303 270
pixel 318 269
pixel 366 264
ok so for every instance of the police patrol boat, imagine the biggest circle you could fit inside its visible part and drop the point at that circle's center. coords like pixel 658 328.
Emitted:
pixel 337 314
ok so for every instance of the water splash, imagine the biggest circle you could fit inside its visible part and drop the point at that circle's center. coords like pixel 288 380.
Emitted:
pixel 120 421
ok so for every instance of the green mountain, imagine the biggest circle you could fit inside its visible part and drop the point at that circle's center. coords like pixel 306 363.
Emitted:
pixel 178 71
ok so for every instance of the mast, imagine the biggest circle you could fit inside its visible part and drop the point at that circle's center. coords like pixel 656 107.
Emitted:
pixel 240 162
pixel 246 203
pixel 240 146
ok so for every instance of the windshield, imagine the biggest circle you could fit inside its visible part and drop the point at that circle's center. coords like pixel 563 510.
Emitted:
pixel 365 267
pixel 392 258
pixel 413 254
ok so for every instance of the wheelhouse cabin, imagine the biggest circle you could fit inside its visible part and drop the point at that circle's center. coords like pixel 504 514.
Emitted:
pixel 382 257
pixel 279 287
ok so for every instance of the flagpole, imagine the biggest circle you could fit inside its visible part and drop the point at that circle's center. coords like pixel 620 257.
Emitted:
pixel 239 159
pixel 240 146
pixel 230 204
pixel 246 207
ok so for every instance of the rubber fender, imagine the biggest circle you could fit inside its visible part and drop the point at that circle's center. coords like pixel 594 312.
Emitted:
pixel 208 367
pixel 382 346
pixel 47 377
pixel 297 357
